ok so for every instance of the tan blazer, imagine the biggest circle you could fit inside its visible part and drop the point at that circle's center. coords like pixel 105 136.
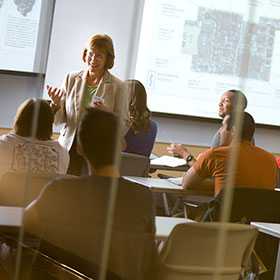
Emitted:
pixel 110 88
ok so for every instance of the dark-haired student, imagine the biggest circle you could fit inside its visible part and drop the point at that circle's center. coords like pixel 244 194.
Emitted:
pixel 47 155
pixel 227 104
pixel 255 167
pixel 141 136
pixel 71 213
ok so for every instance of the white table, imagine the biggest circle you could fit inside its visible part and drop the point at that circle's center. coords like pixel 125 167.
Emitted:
pixel 163 186
pixel 273 230
pixel 164 226
pixel 11 216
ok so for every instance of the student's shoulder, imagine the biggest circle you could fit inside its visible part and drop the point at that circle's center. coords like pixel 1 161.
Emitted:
pixel 64 181
pixel 136 195
pixel 4 138
pixel 11 139
pixel 10 136
pixel 263 153
pixel 212 155
pixel 153 124
pixel 61 187
pixel 55 143
pixel 214 151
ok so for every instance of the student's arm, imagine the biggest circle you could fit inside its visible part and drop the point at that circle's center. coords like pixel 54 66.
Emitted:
pixel 192 181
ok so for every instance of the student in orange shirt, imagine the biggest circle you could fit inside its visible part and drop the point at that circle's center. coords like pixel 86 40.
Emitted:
pixel 255 167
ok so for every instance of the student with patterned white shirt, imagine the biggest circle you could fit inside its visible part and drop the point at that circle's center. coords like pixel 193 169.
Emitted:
pixel 19 151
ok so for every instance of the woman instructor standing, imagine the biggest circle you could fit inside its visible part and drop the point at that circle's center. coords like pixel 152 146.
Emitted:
pixel 80 89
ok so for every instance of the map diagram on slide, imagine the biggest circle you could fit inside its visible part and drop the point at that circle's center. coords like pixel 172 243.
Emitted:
pixel 24 6
pixel 222 43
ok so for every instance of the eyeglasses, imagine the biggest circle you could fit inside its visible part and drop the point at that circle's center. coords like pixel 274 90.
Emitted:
pixel 95 55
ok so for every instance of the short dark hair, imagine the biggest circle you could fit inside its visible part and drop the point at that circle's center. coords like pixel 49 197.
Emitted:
pixel 139 113
pixel 241 95
pixel 24 118
pixel 97 136
pixel 248 127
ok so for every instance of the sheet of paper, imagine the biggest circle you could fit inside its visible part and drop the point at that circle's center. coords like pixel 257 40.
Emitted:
pixel 176 181
pixel 168 161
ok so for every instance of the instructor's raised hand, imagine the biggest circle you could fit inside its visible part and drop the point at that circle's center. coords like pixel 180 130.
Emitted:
pixel 55 94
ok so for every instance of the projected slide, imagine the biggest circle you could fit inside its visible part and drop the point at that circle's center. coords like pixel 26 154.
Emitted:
pixel 24 6
pixel 190 52
pixel 19 21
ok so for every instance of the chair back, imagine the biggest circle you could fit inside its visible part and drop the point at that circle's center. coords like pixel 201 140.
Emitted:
pixel 13 183
pixel 248 204
pixel 190 251
pixel 252 205
pixel 134 165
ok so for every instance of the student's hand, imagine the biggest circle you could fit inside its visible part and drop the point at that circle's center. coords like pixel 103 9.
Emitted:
pixel 55 95
pixel 178 150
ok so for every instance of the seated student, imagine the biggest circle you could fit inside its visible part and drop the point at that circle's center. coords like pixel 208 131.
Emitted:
pixel 227 104
pixel 141 136
pixel 71 213
pixel 47 155
pixel 255 168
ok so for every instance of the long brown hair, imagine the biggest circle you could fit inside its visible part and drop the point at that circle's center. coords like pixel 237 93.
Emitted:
pixel 138 110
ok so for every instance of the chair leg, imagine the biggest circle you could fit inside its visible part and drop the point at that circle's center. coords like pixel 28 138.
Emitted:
pixel 185 211
pixel 175 207
pixel 165 204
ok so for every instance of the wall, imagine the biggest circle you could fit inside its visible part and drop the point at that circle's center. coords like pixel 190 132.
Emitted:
pixel 14 89
pixel 74 22
pixel 199 133
pixel 74 25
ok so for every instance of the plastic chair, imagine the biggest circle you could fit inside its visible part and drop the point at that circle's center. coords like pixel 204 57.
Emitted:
pixel 252 205
pixel 190 251
pixel 134 165
pixel 12 186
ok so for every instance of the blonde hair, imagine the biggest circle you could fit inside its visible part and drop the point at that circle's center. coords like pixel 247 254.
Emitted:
pixel 102 43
